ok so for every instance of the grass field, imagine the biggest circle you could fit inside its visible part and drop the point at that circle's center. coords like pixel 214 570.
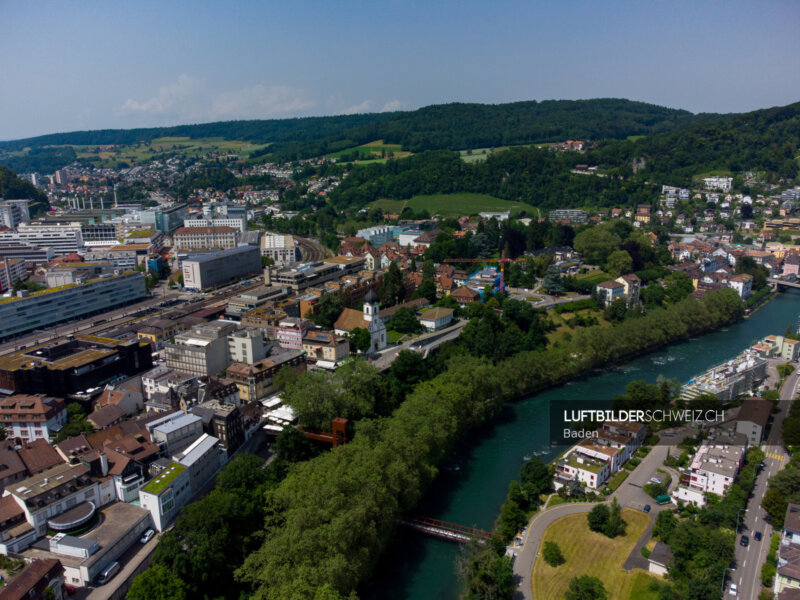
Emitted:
pixel 450 205
pixel 373 151
pixel 137 153
pixel 590 553
pixel 560 321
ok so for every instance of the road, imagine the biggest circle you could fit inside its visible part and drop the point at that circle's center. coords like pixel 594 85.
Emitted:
pixel 426 343
pixel 629 495
pixel 747 571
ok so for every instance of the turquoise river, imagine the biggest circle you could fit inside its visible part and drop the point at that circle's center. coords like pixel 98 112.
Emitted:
pixel 472 485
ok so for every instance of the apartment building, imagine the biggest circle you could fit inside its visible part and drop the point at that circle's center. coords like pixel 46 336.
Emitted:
pixel 224 421
pixel 247 345
pixel 325 346
pixel 11 270
pixel 14 212
pixel 175 431
pixel 584 469
pixel 714 467
pixel 256 381
pixel 32 417
pixel 290 332
pixel 569 214
pixel 56 305
pixel 752 419
pixel 204 238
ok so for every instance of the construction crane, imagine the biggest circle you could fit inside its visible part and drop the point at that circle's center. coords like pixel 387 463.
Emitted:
pixel 502 260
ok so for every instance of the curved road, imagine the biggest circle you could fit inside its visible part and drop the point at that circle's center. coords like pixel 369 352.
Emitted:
pixel 629 495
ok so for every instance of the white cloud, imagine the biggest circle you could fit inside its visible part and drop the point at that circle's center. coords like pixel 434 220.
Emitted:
pixel 392 106
pixel 175 97
pixel 358 108
pixel 260 101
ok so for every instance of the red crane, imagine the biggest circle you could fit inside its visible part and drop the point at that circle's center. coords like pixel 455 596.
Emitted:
pixel 502 260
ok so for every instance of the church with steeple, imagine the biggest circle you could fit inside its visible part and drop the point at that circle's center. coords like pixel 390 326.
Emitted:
pixel 368 319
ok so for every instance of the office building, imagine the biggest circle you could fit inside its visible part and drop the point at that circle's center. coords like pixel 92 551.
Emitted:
pixel 223 421
pixel 175 431
pixel 216 268
pixel 165 218
pixel 280 248
pixel 11 270
pixel 26 252
pixel 63 239
pixel 20 315
pixel 204 238
pixel 255 381
pixel 71 365
pixel 308 275
pixel 203 350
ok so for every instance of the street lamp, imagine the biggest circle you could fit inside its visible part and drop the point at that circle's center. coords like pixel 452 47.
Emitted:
pixel 724 573
pixel 738 512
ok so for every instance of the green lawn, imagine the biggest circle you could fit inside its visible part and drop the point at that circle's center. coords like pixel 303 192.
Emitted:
pixel 451 205
pixel 372 152
pixel 393 336
pixel 641 587
pixel 617 480
pixel 590 553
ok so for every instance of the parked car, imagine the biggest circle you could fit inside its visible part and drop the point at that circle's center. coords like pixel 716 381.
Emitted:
pixel 147 536
pixel 647 508
pixel 757 536
pixel 733 591
pixel 744 541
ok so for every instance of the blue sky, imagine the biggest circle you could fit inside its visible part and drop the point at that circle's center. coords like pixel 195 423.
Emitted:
pixel 91 65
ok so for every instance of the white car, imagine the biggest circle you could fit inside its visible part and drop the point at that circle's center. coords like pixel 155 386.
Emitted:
pixel 733 589
pixel 147 536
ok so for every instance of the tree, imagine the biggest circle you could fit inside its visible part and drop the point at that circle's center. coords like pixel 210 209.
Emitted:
pixel 267 261
pixel 328 310
pixel 595 244
pixel 678 285
pixel 653 295
pixel 615 525
pixel 552 554
pixel 392 289
pixel 598 517
pixel 360 339
pixel 157 583
pixel 586 588
pixel 748 265
pixel 404 321
pixel 619 263
pixel 616 311
pixel 552 281
pixel 428 270
pixel 535 477
pixel 292 446
pixel 427 290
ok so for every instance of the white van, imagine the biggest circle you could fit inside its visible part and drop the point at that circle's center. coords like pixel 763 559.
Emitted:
pixel 108 573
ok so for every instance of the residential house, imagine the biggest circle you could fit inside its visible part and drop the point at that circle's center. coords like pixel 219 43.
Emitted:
pixel 325 346
pixel 610 290
pixel 753 418
pixel 31 417
pixel 106 416
pixel 742 283
pixel 464 295
pixel 437 318
pixel 43 579
pixel 129 400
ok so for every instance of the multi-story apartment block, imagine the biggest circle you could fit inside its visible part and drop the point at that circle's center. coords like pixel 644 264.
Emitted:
pixel 204 238
pixel 247 345
pixel 714 467
pixel 11 271
pixel 569 214
pixel 255 381
pixel 14 212
pixel 41 309
pixel 290 332
pixel 175 431
pixel 224 421
pixel 203 350
pixel 325 346
pixel 32 417
pixel 215 268
pixel 66 487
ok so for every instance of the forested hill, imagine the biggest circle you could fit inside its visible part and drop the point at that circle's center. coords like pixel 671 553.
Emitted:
pixel 764 140
pixel 445 126
pixel 461 126
pixel 15 188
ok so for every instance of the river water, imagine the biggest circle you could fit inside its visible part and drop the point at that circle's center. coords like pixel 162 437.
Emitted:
pixel 473 484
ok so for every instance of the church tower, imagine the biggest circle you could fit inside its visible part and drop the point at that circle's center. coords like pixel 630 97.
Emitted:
pixel 371 306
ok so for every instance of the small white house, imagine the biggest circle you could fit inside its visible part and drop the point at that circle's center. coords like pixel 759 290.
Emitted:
pixel 436 318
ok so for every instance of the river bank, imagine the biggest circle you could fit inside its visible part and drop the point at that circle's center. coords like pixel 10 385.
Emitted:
pixel 473 483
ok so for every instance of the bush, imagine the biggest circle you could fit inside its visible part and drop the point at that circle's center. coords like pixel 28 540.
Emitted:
pixel 552 554
pixel 645 552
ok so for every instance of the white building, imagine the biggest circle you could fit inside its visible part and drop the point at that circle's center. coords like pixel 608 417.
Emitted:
pixel 176 431
pixel 32 417
pixel 280 248
pixel 370 320
pixel 435 319
pixel 203 350
pixel 63 239
pixel 247 346
pixel 718 183
pixel 713 468
pixel 14 212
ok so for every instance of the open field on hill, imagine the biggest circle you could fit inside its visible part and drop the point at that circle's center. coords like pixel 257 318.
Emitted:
pixel 137 153
pixel 590 553
pixel 373 150
pixel 451 205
